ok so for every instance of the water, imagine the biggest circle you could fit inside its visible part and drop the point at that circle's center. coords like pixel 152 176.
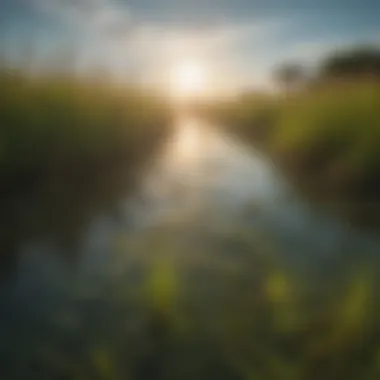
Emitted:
pixel 207 178
pixel 209 219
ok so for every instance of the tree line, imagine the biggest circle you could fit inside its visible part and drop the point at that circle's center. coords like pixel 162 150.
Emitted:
pixel 357 62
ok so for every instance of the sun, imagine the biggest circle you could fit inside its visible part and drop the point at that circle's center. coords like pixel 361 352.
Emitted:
pixel 188 79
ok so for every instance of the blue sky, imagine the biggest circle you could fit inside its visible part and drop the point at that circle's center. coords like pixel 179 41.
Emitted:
pixel 239 41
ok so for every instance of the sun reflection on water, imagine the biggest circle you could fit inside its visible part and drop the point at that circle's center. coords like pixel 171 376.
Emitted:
pixel 187 143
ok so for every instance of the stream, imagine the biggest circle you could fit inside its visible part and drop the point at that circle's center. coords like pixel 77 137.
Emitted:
pixel 210 212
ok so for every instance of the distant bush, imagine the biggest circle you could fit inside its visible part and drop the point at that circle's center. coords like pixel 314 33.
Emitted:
pixel 359 61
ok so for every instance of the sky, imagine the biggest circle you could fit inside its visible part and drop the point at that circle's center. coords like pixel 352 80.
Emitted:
pixel 239 42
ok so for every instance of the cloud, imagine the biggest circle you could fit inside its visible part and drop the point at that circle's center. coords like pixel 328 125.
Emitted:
pixel 108 34
pixel 138 38
pixel 221 47
pixel 102 17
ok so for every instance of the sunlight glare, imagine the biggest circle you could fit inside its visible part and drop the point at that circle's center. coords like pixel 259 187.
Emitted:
pixel 188 141
pixel 188 79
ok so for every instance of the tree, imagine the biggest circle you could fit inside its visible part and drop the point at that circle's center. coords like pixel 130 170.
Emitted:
pixel 359 61
pixel 290 75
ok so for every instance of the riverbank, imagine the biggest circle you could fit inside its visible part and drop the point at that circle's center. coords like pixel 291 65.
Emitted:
pixel 326 138
pixel 67 144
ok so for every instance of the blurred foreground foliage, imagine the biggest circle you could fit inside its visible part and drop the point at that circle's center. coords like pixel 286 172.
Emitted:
pixel 180 311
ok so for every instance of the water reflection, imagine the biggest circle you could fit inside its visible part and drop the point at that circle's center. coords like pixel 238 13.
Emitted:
pixel 201 162
pixel 187 142
pixel 201 178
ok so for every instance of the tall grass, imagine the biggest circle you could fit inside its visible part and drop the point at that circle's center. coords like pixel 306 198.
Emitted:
pixel 332 136
pixel 49 122
pixel 68 145
pixel 327 138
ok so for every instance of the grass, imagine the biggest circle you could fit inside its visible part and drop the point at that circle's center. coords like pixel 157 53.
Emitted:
pixel 326 137
pixel 331 136
pixel 70 146
pixel 49 122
